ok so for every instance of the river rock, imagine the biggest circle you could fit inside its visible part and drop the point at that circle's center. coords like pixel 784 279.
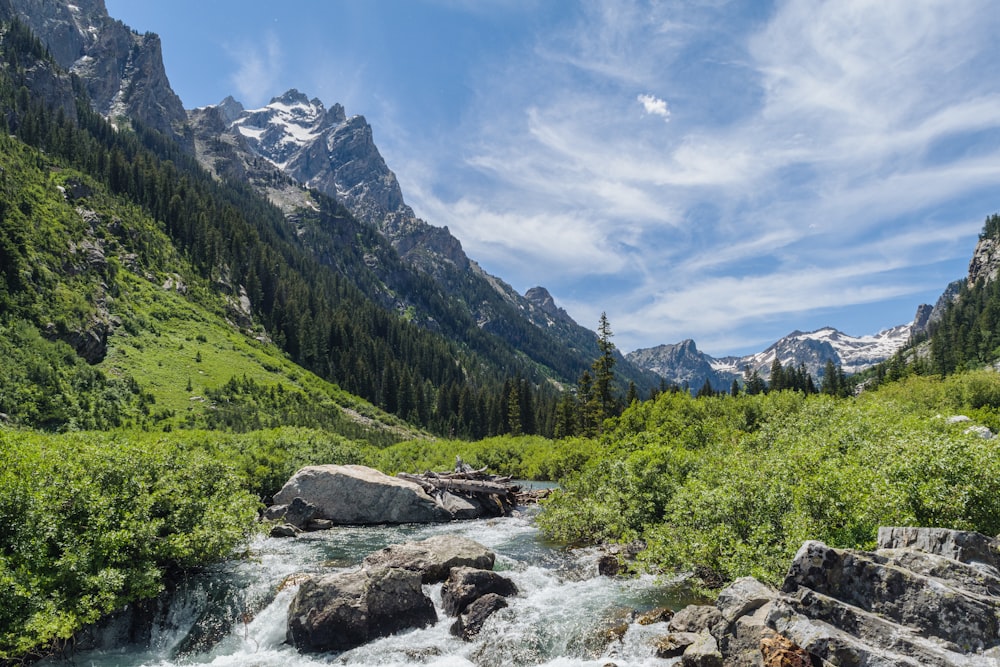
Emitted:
pixel 466 584
pixel 927 596
pixel 695 618
pixel 338 612
pixel 434 557
pixel 674 644
pixel 702 652
pixel 297 513
pixel 353 494
pixel 471 620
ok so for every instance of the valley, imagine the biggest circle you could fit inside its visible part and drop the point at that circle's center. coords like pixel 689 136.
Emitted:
pixel 196 304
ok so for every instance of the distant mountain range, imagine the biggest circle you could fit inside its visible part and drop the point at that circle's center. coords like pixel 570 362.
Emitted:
pixel 684 364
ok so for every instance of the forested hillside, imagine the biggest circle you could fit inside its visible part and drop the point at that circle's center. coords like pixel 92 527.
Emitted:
pixel 305 287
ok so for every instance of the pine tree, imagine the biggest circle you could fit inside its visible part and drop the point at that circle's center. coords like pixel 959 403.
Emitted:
pixel 604 371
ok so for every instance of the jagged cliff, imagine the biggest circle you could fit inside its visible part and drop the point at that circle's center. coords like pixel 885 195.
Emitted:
pixel 122 70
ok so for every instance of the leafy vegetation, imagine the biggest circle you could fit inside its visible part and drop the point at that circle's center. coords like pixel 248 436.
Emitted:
pixel 92 521
pixel 732 486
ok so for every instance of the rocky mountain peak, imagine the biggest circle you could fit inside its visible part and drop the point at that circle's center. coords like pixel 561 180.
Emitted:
pixel 230 108
pixel 292 96
pixel 121 69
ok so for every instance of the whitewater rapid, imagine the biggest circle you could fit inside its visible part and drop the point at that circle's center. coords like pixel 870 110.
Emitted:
pixel 234 614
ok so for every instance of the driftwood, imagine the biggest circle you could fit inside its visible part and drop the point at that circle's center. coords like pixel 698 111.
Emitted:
pixel 495 494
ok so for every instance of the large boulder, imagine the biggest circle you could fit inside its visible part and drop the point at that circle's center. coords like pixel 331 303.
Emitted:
pixel 338 612
pixel 353 494
pixel 434 557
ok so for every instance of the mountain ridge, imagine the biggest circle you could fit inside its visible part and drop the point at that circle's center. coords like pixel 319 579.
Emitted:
pixel 683 364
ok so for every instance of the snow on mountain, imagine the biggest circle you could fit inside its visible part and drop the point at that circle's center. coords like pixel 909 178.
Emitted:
pixel 286 125
pixel 683 364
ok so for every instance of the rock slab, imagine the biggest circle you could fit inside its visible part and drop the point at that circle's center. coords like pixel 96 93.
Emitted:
pixel 927 596
pixel 434 557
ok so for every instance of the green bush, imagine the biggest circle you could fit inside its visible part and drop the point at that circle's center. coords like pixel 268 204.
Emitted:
pixel 733 486
pixel 90 522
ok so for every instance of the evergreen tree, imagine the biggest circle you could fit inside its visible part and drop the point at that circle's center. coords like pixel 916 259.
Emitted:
pixel 604 371
pixel 778 380
pixel 633 394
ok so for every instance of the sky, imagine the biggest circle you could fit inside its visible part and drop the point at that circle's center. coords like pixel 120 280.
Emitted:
pixel 721 171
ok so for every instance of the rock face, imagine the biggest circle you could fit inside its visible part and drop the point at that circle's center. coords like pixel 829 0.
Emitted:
pixel 927 596
pixel 359 495
pixel 341 611
pixel 122 70
pixel 434 557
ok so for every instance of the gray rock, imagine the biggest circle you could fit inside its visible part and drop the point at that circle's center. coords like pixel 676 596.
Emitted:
pixel 300 513
pixel 743 597
pixel 904 597
pixel 741 642
pixel 466 584
pixel 961 545
pixel 354 494
pixel 284 530
pixel 341 611
pixel 695 618
pixel 320 524
pixel 981 431
pixel 470 622
pixel 434 557
pixel 460 507
pixel 703 652
pixel 674 644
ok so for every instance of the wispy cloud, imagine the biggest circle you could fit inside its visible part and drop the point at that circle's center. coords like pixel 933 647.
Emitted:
pixel 816 157
pixel 258 69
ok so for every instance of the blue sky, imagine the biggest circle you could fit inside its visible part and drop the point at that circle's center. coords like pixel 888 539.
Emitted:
pixel 722 171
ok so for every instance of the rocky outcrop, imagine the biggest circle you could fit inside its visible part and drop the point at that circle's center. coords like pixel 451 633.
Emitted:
pixel 121 69
pixel 985 262
pixel 341 611
pixel 434 557
pixel 926 596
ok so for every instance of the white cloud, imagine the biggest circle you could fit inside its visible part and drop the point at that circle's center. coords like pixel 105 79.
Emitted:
pixel 654 106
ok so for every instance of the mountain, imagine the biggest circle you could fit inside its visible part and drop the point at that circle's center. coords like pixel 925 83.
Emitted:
pixel 414 327
pixel 327 151
pixel 684 365
pixel 122 70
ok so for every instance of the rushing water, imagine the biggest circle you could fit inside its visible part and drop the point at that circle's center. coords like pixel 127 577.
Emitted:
pixel 565 614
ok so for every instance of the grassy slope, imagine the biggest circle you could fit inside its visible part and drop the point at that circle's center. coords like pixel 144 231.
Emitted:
pixel 163 337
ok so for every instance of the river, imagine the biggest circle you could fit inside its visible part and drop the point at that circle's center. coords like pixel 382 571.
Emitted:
pixel 234 614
